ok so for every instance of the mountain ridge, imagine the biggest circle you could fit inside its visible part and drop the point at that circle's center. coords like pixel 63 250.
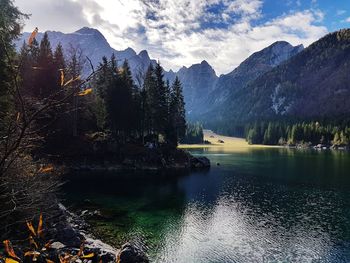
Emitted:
pixel 252 67
pixel 204 91
pixel 312 85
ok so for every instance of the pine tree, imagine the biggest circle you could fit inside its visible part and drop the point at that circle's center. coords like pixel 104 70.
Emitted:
pixel 149 100
pixel 47 75
pixel 10 30
pixel 343 138
pixel 127 112
pixel 160 99
pixel 252 135
pixel 177 112
pixel 73 71
pixel 59 62
pixel 58 57
pixel 336 139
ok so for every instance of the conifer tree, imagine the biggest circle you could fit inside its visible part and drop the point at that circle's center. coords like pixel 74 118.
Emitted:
pixel 177 112
pixel 10 26
pixel 59 60
pixel 149 100
pixel 124 93
pixel 46 76
pixel 59 67
pixel 160 99
pixel 74 69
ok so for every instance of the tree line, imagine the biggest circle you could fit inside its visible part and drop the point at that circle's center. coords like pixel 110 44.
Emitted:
pixel 153 111
pixel 280 133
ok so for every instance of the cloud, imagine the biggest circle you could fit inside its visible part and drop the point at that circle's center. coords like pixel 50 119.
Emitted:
pixel 184 32
pixel 62 15
pixel 341 12
pixel 347 20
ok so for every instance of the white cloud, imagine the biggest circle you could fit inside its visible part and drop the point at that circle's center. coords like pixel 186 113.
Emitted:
pixel 347 20
pixel 183 32
pixel 63 15
pixel 341 12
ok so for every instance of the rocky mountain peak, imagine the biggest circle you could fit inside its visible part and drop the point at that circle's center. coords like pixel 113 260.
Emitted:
pixel 88 31
pixel 144 55
pixel 281 51
pixel 91 33
pixel 205 63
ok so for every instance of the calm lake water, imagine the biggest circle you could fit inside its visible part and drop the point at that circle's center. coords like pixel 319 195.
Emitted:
pixel 259 205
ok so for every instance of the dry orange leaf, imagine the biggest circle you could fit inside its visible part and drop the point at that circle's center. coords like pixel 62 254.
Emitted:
pixel 49 261
pixel 47 245
pixel 9 249
pixel 40 226
pixel 71 80
pixel 10 260
pixel 47 169
pixel 85 92
pixel 90 255
pixel 32 36
pixel 33 254
pixel 31 228
pixel 62 77
pixel 32 242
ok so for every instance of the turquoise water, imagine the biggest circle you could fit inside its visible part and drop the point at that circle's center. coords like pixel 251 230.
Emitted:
pixel 258 205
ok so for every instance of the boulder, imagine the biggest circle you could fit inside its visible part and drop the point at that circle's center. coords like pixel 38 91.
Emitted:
pixel 130 253
pixel 200 162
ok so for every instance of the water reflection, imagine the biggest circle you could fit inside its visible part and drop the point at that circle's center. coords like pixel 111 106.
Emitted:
pixel 266 205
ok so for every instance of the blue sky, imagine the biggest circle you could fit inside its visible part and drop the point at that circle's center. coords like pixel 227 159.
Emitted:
pixel 335 11
pixel 184 32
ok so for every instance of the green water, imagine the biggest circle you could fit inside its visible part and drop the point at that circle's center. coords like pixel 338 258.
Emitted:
pixel 258 205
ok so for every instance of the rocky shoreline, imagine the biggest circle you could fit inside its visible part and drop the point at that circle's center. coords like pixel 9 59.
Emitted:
pixel 73 231
pixel 319 147
pixel 190 163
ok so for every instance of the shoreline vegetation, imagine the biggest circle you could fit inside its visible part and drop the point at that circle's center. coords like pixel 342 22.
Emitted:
pixel 214 140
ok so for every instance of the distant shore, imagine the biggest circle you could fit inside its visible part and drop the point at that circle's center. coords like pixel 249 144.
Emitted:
pixel 226 142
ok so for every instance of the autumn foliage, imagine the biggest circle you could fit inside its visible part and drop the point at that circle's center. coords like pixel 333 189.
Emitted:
pixel 41 250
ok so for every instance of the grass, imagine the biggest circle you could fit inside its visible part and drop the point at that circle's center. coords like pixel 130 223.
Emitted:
pixel 229 143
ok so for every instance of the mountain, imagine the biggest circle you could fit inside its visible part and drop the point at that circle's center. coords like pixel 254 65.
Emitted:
pixel 314 84
pixel 198 81
pixel 94 45
pixel 227 86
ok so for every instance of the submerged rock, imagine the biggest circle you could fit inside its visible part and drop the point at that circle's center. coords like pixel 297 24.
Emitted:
pixel 130 253
pixel 200 162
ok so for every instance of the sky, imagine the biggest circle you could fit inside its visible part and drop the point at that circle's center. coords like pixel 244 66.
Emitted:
pixel 184 32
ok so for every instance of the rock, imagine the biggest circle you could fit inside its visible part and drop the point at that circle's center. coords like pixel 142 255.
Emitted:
pixel 57 245
pixel 200 162
pixel 132 254
pixel 68 235
pixel 84 213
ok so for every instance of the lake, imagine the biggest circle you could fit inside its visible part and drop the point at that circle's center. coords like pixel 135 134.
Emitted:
pixel 258 205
